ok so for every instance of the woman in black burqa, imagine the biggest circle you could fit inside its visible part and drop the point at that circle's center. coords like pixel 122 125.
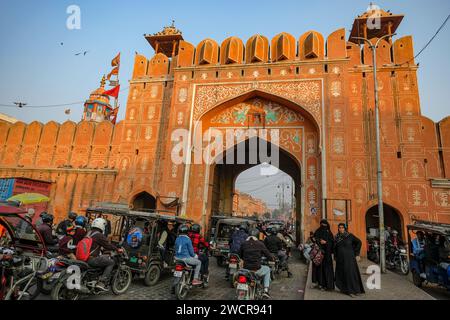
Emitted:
pixel 346 248
pixel 323 274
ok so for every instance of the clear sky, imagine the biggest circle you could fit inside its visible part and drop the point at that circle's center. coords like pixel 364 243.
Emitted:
pixel 35 68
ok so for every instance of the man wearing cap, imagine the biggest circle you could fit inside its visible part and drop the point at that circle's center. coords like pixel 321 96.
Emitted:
pixel 167 240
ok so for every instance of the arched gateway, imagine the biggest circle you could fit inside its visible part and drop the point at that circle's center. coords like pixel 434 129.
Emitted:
pixel 247 131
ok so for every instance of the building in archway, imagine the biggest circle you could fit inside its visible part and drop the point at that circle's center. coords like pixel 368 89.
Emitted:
pixel 316 92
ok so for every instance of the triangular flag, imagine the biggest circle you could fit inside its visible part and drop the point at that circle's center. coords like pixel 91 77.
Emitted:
pixel 116 61
pixel 114 92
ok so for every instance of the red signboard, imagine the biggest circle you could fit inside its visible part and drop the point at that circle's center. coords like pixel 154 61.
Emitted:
pixel 31 186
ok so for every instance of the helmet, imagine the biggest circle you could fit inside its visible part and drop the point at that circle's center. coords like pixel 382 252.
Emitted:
pixel 195 228
pixel 72 215
pixel 80 221
pixel 47 218
pixel 394 232
pixel 70 228
pixel 99 223
pixel 254 232
pixel 183 229
pixel 243 226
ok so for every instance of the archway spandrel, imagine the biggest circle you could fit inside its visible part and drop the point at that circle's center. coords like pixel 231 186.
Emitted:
pixel 304 93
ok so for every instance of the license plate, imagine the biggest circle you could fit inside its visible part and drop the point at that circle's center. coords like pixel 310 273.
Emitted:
pixel 56 275
pixel 133 259
pixel 242 286
pixel 178 274
pixel 233 265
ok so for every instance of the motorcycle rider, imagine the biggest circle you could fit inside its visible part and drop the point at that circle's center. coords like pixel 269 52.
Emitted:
pixel 99 242
pixel 67 244
pixel 201 247
pixel 61 228
pixel 275 245
pixel 251 253
pixel 185 251
pixel 236 240
pixel 80 229
pixel 45 229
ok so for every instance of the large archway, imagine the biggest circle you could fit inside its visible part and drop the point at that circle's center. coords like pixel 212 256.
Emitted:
pixel 211 185
pixel 144 201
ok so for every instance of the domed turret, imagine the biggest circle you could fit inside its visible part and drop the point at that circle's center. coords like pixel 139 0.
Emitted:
pixel 97 107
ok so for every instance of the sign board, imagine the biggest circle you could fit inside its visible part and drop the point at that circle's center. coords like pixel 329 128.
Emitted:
pixel 6 188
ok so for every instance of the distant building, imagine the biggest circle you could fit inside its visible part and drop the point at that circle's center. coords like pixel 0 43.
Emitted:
pixel 245 205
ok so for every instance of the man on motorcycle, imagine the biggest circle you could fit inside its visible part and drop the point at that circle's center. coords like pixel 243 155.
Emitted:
pixel 185 251
pixel 251 253
pixel 275 245
pixel 237 238
pixel 80 229
pixel 45 229
pixel 99 242
pixel 61 228
pixel 201 247
pixel 67 244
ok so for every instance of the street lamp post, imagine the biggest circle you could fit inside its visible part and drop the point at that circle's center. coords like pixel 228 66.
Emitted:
pixel 373 47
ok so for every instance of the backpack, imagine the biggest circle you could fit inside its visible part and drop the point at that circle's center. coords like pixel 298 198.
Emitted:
pixel 83 251
pixel 316 254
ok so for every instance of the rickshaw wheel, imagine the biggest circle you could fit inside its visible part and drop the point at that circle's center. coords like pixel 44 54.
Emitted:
pixel 152 276
pixel 417 280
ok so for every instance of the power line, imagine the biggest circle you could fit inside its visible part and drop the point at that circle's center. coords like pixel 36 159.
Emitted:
pixel 429 42
pixel 50 105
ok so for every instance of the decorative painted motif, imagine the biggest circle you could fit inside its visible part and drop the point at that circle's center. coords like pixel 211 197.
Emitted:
pixel 183 77
pixel 229 74
pixel 409 109
pixel 154 91
pixel 148 133
pixel 311 145
pixel 356 135
pixel 180 117
pixel 354 88
pixel 339 176
pixel 182 95
pixel 410 133
pixel 355 109
pixel 291 140
pixel 442 199
pixel 151 113
pixel 338 144
pixel 359 169
pixel 274 113
pixel 306 93
pixel 336 70
pixel 283 72
pixel 124 164
pixel 337 115
pixel 135 92
pixel 204 75
pixel 144 163
pixel 129 134
pixel 174 170
pixel 132 114
pixel 335 89
pixel 312 172
pixel 312 71
pixel 255 74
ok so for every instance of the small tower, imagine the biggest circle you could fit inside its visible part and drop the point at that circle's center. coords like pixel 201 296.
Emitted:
pixel 166 41
pixel 97 107
pixel 374 23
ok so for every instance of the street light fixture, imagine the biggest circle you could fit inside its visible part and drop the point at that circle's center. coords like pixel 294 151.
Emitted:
pixel 373 47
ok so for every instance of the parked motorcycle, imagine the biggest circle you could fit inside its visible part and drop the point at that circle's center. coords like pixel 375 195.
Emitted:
pixel 118 282
pixel 183 277
pixel 397 258
pixel 373 250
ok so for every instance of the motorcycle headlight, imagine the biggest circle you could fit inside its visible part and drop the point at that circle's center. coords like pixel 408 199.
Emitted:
pixel 402 250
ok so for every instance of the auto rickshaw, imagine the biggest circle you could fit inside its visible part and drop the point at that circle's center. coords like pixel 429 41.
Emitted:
pixel 432 263
pixel 139 232
pixel 224 229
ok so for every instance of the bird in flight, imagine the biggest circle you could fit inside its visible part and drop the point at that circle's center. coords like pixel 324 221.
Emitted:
pixel 84 53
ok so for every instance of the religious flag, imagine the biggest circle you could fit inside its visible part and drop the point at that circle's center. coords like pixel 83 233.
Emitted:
pixel 114 71
pixel 114 92
pixel 116 61
pixel 113 116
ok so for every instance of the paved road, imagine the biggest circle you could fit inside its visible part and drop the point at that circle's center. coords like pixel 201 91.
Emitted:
pixel 436 292
pixel 219 289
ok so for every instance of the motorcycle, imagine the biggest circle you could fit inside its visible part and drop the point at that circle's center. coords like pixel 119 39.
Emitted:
pixel 17 276
pixel 233 265
pixel 118 282
pixel 48 278
pixel 249 286
pixel 373 250
pixel 183 277
pixel 397 259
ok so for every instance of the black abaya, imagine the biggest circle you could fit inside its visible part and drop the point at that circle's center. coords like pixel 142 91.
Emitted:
pixel 348 278
pixel 323 274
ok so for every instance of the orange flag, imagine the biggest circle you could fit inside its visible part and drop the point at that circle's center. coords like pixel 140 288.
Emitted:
pixel 114 71
pixel 116 61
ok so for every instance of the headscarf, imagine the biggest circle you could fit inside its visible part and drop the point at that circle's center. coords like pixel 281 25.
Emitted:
pixel 341 236
pixel 323 232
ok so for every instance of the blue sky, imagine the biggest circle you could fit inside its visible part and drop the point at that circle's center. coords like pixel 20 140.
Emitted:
pixel 36 69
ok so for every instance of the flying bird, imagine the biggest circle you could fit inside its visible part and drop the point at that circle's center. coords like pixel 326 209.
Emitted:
pixel 84 53
pixel 61 43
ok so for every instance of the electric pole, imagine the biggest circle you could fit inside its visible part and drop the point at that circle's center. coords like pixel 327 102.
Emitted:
pixel 373 47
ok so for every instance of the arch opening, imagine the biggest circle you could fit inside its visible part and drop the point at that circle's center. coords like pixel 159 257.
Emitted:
pixel 144 201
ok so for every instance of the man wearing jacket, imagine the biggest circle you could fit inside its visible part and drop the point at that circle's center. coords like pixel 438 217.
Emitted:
pixel 45 229
pixel 251 253
pixel 185 251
